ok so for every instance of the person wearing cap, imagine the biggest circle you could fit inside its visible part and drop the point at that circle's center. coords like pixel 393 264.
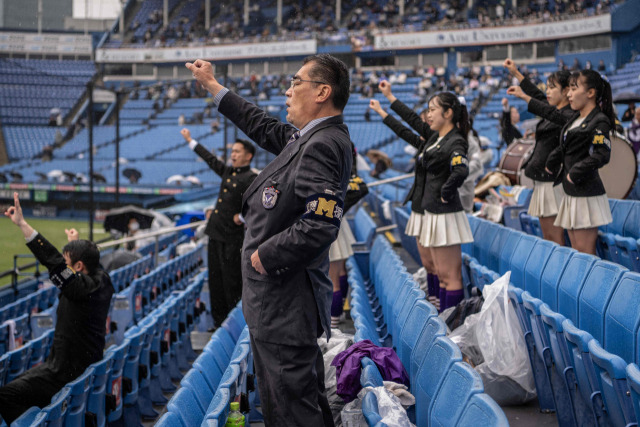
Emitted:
pixel 225 226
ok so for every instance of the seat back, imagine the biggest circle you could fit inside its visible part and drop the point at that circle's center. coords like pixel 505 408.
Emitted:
pixel 56 412
pixel 633 380
pixel 116 381
pixel 208 367
pixel 571 285
pixel 440 357
pixel 460 383
pixel 552 274
pixel 508 249
pixel 433 328
pixel 496 247
pixel 622 319
pixel 519 259
pixel 185 405
pixel 482 410
pixel 194 380
pixel 483 238
pixel 619 214
pixel 536 264
pixel 595 296
pixel 416 321
pixel 218 409
pixel 80 389
pixel 96 398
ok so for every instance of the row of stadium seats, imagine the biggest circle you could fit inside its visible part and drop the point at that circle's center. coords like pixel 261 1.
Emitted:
pixel 388 308
pixel 221 374
pixel 570 305
pixel 118 388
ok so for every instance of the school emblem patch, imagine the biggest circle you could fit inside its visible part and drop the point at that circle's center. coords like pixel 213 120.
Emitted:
pixel 269 197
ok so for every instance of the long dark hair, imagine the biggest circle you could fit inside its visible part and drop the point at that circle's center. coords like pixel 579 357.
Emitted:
pixel 449 101
pixel 604 99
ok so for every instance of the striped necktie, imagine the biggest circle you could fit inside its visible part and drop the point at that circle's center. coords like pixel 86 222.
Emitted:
pixel 294 137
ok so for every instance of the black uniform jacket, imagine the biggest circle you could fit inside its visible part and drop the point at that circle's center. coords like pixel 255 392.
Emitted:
pixel 547 136
pixel 508 129
pixel 293 211
pixel 81 315
pixel 235 181
pixel 582 151
pixel 417 141
pixel 447 168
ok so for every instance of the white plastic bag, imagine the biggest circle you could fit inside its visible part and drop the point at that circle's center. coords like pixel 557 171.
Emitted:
pixel 420 277
pixel 330 349
pixel 389 407
pixel 496 333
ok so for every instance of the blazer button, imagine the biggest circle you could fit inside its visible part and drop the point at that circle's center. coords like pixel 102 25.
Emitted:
pixel 225 190
pixel 216 211
pixel 228 179
pixel 219 200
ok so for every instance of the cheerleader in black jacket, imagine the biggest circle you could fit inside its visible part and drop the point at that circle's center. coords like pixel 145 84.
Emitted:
pixel 547 194
pixel 584 148
pixel 414 225
pixel 445 226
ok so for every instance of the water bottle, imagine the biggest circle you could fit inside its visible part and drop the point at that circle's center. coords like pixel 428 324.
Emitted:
pixel 235 419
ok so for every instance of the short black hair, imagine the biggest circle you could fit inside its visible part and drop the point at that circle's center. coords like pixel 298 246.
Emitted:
pixel 334 72
pixel 85 251
pixel 248 147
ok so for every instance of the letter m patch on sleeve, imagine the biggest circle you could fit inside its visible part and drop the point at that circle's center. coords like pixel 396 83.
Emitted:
pixel 324 207
pixel 459 160
pixel 600 139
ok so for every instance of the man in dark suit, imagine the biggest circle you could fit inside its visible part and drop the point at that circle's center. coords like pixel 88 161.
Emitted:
pixel 293 211
pixel 78 341
pixel 225 227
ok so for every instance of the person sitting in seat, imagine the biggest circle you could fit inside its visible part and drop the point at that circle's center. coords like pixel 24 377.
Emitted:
pixel 79 337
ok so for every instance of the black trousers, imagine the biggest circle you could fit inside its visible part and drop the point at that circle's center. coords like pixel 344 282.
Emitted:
pixel 291 384
pixel 35 387
pixel 225 277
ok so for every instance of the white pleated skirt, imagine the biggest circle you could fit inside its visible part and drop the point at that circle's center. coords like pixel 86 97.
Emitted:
pixel 414 225
pixel 445 230
pixel 341 248
pixel 583 212
pixel 545 199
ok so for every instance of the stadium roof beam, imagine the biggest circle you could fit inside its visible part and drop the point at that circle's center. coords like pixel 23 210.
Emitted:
pixel 207 14
pixel 165 13
pixel 246 12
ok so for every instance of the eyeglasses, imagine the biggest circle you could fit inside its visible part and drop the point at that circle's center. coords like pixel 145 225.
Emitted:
pixel 296 82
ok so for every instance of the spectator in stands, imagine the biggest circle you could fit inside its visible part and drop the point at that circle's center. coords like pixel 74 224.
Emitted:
pixel 576 65
pixel 79 337
pixel 586 147
pixel 601 66
pixel 634 132
pixel 225 227
pixel 293 212
pixel 547 195
pixel 510 118
pixel 629 113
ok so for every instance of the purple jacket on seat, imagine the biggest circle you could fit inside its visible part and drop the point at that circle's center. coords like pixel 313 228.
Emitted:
pixel 347 365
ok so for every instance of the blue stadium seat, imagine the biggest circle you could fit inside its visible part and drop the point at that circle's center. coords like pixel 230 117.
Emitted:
pixel 540 255
pixel 563 363
pixel 482 410
pixel 370 375
pixel 612 381
pixel 519 260
pixel 230 380
pixel 169 419
pixel 145 405
pixel 194 380
pixel 508 249
pixel 627 252
pixel 185 405
pixel 116 381
pixel 633 380
pixel 571 284
pixel 79 395
pixel 209 368
pixel 413 327
pixel 440 357
pixel 622 319
pixel 370 410
pixel 98 392
pixel 595 296
pixel 434 328
pixel 218 409
pixel 53 415
pixel 459 384
pixel 18 362
pixel 131 373
pixel 552 274
pixel 4 366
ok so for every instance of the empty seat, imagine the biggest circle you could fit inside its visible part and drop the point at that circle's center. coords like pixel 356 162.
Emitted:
pixel 416 322
pixel 540 255
pixel 482 410
pixel 79 395
pixel 194 380
pixel 633 381
pixel 518 261
pixel 622 319
pixel 552 274
pixel 185 405
pixel 460 383
pixel 571 284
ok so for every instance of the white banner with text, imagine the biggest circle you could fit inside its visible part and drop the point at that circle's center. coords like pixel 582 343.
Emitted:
pixel 496 35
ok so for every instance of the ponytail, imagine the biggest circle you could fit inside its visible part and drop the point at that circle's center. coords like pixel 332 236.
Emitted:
pixel 606 103
pixel 604 99
pixel 463 122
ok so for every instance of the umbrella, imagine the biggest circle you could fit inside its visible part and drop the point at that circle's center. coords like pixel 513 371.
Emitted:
pixel 133 175
pixel 375 155
pixel 177 179
pixel 55 175
pixel 69 176
pixel 194 180
pixel 43 177
pixel 118 219
pixel 118 258
pixel 99 178
pixel 626 98
pixel 17 177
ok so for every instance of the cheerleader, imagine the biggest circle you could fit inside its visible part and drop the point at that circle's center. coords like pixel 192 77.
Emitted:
pixel 584 148
pixel 435 290
pixel 547 194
